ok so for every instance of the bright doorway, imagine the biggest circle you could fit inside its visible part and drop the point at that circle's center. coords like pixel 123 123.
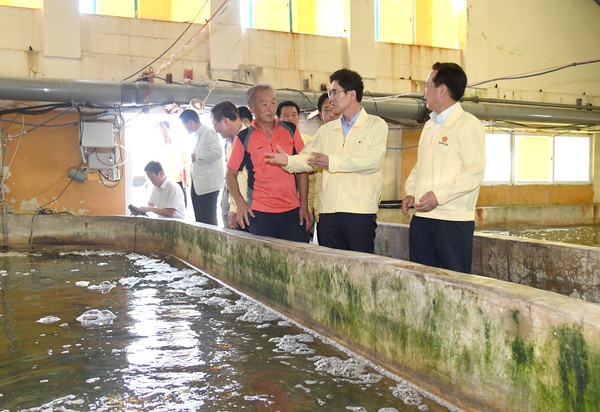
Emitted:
pixel 144 142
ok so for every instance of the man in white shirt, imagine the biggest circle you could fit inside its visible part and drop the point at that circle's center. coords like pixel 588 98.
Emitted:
pixel 207 168
pixel 166 199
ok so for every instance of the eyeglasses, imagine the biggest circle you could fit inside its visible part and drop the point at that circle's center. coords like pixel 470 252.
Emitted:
pixel 332 92
pixel 216 123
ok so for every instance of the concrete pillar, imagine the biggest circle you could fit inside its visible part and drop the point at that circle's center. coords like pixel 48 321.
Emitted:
pixel 62 29
pixel 225 36
pixel 595 142
pixel 362 55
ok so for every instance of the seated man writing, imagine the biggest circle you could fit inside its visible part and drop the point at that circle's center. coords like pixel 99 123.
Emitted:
pixel 166 199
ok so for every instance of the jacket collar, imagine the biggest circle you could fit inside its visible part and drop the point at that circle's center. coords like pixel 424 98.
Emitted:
pixel 454 116
pixel 361 120
pixel 451 120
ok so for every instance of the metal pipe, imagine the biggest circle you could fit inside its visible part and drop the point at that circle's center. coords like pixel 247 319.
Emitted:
pixel 3 198
pixel 143 93
pixel 476 99
pixel 531 115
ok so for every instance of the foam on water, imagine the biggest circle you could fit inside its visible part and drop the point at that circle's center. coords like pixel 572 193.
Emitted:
pixel 95 317
pixel 294 344
pixel 407 394
pixel 129 282
pixel 252 311
pixel 58 404
pixel 188 282
pixel 201 292
pixel 214 301
pixel 104 286
pixel 91 253
pixel 350 370
pixel 48 320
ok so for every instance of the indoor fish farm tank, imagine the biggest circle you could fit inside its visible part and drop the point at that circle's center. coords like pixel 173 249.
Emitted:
pixel 104 330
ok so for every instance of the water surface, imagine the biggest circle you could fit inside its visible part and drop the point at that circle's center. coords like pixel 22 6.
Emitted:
pixel 578 235
pixel 106 331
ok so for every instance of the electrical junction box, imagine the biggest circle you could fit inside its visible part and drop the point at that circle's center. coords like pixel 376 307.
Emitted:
pixel 101 160
pixel 97 145
pixel 97 134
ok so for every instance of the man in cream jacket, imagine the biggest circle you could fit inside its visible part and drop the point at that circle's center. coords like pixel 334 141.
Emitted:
pixel 350 151
pixel 444 184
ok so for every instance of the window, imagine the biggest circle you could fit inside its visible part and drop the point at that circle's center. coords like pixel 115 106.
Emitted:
pixel 571 159
pixel 30 4
pixel 325 17
pixel 108 7
pixel 394 21
pixel 537 159
pixel 497 158
pixel 167 10
pixel 433 23
pixel 533 158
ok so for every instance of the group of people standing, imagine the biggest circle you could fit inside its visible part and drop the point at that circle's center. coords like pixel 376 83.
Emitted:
pixel 278 182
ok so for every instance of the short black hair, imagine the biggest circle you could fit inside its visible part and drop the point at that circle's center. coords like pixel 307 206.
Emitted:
pixel 154 167
pixel 166 123
pixel 189 114
pixel 286 104
pixel 349 80
pixel 321 101
pixel 453 76
pixel 225 109
pixel 245 113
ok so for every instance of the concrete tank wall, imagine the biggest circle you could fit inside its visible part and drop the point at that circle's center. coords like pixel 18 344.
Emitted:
pixel 570 270
pixel 519 216
pixel 477 342
pixel 506 217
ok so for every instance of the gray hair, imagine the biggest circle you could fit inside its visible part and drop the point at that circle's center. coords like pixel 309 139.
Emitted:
pixel 252 91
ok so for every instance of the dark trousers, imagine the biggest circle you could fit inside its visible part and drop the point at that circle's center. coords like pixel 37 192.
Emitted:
pixel 347 231
pixel 184 193
pixel 284 225
pixel 441 243
pixel 205 206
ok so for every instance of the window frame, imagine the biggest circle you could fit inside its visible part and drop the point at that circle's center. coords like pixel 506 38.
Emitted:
pixel 589 150
pixel 552 160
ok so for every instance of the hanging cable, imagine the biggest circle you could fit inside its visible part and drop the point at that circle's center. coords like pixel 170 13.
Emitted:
pixel 46 121
pixel 171 46
pixel 174 55
pixel 537 72
pixel 298 91
pixel 168 63
pixel 41 209
pixel 8 137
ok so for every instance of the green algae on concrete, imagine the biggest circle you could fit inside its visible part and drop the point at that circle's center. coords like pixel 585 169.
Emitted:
pixel 264 268
pixel 574 368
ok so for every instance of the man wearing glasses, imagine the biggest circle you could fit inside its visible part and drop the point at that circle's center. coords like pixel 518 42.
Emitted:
pixel 226 121
pixel 350 151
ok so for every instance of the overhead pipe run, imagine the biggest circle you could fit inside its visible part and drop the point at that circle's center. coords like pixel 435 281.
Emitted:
pixel 145 93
